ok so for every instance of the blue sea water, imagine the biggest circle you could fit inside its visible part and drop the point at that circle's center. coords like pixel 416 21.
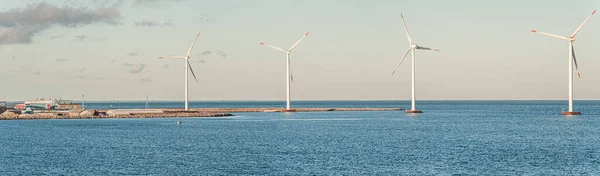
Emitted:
pixel 450 138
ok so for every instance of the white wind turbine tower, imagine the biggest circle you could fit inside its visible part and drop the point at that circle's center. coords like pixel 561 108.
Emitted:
pixel 289 75
pixel 413 48
pixel 186 59
pixel 572 60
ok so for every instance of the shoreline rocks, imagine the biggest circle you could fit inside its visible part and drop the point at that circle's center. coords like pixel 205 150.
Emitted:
pixel 169 113
pixel 12 116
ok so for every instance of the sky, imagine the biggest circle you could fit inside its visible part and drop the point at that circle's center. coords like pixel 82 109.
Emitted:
pixel 109 49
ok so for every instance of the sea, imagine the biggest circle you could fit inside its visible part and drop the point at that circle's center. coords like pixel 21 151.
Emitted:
pixel 449 138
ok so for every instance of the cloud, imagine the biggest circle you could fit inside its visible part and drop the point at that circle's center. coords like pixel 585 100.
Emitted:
pixel 90 78
pixel 145 80
pixel 138 69
pixel 133 54
pixel 135 68
pixel 205 19
pixel 56 36
pixel 198 61
pixel 102 39
pixel 62 60
pixel 218 53
pixel 222 54
pixel 80 70
pixel 148 23
pixel 20 25
pixel 81 37
pixel 151 2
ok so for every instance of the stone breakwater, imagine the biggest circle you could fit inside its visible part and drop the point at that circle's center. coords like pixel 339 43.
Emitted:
pixel 90 115
pixel 171 113
pixel 234 110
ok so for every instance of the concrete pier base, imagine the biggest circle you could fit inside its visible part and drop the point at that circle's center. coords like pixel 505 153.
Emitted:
pixel 414 111
pixel 571 113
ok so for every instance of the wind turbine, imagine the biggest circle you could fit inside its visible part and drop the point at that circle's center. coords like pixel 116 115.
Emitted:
pixel 413 47
pixel 572 60
pixel 289 75
pixel 186 58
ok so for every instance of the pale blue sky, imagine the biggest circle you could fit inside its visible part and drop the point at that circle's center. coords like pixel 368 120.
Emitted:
pixel 487 51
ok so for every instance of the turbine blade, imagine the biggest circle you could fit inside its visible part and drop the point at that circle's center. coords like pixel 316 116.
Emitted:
pixel 192 47
pixel 172 57
pixel 274 47
pixel 191 70
pixel 551 35
pixel 425 48
pixel 581 26
pixel 296 44
pixel 401 60
pixel 575 61
pixel 406 29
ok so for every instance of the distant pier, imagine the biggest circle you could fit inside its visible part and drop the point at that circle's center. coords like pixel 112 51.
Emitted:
pixel 163 113
pixel 238 110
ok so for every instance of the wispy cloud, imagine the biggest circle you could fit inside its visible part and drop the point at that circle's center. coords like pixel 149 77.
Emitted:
pixel 205 19
pixel 20 25
pixel 148 23
pixel 217 53
pixel 102 39
pixel 81 37
pixel 221 54
pixel 56 36
pixel 133 54
pixel 145 80
pixel 135 68
pixel 152 2
pixel 59 60
pixel 198 61
pixel 80 70
pixel 82 77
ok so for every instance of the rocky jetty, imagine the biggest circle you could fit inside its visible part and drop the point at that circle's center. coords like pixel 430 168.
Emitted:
pixel 94 114
pixel 234 110
pixel 167 113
